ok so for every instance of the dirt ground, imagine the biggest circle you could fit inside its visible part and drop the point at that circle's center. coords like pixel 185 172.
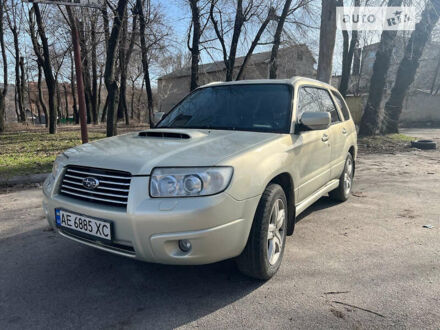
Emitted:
pixel 366 263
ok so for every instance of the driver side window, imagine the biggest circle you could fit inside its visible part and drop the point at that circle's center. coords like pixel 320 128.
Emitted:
pixel 312 99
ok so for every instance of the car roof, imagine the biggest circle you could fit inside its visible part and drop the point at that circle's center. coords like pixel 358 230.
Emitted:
pixel 292 81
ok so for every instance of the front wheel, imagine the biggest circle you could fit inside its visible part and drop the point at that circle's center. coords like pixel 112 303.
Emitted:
pixel 264 250
pixel 343 191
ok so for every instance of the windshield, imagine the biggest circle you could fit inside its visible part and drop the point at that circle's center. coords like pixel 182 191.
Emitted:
pixel 253 107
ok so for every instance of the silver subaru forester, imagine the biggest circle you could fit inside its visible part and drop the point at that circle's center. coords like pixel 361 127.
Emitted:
pixel 223 175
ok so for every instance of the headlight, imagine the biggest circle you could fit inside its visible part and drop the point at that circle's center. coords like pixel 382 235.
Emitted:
pixel 58 165
pixel 196 181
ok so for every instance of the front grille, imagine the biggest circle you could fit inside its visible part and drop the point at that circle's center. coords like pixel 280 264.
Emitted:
pixel 113 187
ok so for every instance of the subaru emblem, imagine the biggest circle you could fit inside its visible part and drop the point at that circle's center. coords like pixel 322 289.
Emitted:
pixel 90 183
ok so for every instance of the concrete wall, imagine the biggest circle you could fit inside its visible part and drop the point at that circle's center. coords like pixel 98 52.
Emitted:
pixel 419 109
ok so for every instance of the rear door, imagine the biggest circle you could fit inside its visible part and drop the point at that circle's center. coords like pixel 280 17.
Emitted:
pixel 312 156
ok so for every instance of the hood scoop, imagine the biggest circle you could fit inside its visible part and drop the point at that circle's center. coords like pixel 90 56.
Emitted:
pixel 165 135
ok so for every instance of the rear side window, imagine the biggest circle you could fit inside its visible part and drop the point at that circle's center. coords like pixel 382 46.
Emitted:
pixel 342 105
pixel 311 99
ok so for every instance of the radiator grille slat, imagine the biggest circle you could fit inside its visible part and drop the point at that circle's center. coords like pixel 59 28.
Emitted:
pixel 113 188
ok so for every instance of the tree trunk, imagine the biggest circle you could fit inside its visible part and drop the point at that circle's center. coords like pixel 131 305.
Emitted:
pixel 327 37
pixel 370 118
pixel 195 48
pixel 66 101
pixel 47 68
pixel 145 64
pixel 40 96
pixel 4 90
pixel 277 39
pixel 18 85
pixel 86 73
pixel 109 74
pixel 409 65
pixel 73 89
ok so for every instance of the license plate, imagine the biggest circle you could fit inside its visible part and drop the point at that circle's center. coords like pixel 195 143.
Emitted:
pixel 83 224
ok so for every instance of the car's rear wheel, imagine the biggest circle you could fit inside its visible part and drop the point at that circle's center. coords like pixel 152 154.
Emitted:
pixel 261 258
pixel 343 191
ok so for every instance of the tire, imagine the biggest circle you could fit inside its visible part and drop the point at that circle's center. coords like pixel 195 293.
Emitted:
pixel 261 258
pixel 342 193
pixel 424 144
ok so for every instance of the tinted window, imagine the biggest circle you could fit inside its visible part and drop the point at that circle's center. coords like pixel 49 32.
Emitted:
pixel 342 105
pixel 263 108
pixel 312 99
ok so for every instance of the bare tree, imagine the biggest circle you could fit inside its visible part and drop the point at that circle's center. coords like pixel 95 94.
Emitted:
pixel 242 15
pixel 4 90
pixel 43 57
pixel 270 16
pixel 409 65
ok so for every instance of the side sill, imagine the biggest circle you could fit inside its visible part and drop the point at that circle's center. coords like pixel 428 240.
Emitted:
pixel 301 207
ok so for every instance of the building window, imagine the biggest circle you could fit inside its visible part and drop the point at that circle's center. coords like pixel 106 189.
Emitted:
pixel 299 56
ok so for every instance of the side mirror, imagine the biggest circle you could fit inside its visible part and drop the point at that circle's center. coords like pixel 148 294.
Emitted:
pixel 315 120
pixel 157 116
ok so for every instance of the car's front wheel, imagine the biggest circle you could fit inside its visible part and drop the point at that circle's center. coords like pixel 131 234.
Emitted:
pixel 264 250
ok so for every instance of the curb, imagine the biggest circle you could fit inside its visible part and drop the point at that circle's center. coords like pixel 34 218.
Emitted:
pixel 23 179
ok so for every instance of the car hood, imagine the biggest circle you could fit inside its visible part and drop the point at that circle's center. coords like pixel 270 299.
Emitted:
pixel 139 154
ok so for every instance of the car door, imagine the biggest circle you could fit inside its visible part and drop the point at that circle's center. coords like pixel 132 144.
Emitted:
pixel 337 135
pixel 312 156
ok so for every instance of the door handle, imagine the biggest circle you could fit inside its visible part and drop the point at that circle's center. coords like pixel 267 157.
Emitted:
pixel 344 131
pixel 324 138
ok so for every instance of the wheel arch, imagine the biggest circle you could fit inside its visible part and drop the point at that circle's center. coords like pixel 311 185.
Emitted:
pixel 285 180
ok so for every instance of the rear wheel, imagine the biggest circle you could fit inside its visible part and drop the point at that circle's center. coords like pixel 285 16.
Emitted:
pixel 264 250
pixel 343 191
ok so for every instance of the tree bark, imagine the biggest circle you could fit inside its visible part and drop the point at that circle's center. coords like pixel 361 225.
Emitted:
pixel 4 90
pixel 409 65
pixel 109 74
pixel 195 48
pixel 277 40
pixel 144 53
pixel 327 37
pixel 370 118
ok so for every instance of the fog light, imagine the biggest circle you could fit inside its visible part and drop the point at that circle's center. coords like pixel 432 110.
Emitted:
pixel 184 245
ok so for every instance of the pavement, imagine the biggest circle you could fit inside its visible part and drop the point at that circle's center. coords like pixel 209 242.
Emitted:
pixel 365 263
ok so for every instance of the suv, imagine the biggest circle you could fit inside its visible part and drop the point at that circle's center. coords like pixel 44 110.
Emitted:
pixel 223 175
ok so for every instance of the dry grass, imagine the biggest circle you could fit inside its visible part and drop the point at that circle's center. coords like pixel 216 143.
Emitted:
pixel 29 149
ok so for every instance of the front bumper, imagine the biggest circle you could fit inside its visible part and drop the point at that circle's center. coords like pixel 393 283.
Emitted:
pixel 150 228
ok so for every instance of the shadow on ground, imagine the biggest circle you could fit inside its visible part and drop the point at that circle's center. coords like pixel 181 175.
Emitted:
pixel 73 285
